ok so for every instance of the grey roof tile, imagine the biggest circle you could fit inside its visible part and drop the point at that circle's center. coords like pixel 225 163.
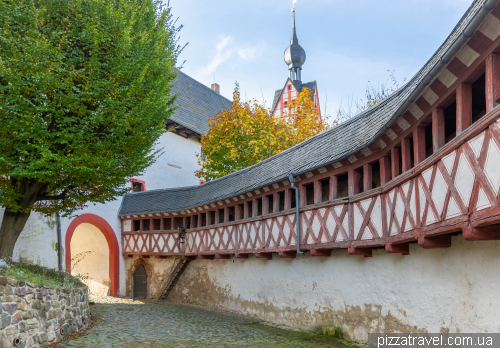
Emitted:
pixel 197 103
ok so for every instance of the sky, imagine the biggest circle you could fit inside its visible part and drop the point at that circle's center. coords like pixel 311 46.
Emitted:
pixel 347 43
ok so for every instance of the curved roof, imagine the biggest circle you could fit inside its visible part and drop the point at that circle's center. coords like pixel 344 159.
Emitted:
pixel 328 147
pixel 197 103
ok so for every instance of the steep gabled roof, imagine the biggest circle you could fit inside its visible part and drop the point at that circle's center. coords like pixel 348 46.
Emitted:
pixel 298 85
pixel 197 103
pixel 329 147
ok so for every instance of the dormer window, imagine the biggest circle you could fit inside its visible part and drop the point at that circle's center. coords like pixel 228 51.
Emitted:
pixel 137 185
pixel 289 87
pixel 286 104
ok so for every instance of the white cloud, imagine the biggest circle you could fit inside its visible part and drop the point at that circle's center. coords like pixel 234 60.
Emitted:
pixel 226 50
pixel 222 53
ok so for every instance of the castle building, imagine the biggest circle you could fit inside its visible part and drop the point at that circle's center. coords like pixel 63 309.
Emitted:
pixel 295 57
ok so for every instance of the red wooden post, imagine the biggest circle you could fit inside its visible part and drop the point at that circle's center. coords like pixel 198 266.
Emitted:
pixel 237 212
pixel 265 205
pixel 255 207
pixel 419 144
pixel 334 185
pixel 492 80
pixel 217 217
pixel 385 170
pixel 288 199
pixel 367 177
pixel 406 154
pixel 317 192
pixel 191 222
pixel 395 162
pixel 464 107
pixel 209 219
pixel 353 176
pixel 245 210
pixel 199 220
pixel 162 224
pixel 302 196
pixel 437 129
pixel 276 202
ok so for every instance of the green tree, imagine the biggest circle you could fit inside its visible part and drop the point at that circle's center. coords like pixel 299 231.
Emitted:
pixel 85 88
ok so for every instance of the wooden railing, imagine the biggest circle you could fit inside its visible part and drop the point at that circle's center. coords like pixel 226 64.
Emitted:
pixel 454 190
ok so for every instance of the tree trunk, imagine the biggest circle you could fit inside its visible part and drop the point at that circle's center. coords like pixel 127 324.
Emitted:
pixel 12 226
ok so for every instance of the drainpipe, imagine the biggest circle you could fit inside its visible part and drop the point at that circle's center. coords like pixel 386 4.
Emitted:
pixel 59 246
pixel 297 211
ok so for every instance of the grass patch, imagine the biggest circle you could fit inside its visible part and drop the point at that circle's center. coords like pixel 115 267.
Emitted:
pixel 36 274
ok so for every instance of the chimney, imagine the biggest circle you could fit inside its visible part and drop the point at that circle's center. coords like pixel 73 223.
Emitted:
pixel 215 87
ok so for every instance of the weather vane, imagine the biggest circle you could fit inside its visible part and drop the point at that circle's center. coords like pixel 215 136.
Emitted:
pixel 293 5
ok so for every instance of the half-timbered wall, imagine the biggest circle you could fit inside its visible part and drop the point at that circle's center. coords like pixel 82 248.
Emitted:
pixel 435 175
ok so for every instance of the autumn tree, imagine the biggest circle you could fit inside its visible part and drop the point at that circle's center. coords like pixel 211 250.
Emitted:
pixel 84 92
pixel 248 133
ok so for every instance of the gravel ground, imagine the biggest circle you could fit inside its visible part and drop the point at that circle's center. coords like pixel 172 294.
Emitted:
pixel 128 323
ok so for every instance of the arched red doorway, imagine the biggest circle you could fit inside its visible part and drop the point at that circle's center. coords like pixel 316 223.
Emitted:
pixel 114 249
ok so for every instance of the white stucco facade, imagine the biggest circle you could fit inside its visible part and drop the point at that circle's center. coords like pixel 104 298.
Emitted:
pixel 175 167
pixel 440 290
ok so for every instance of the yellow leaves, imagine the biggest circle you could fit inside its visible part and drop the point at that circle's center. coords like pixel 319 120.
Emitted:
pixel 248 133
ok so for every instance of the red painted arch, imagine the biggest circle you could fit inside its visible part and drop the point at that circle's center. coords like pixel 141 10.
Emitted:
pixel 114 249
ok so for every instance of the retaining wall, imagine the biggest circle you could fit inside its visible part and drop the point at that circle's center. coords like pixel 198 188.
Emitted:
pixel 34 316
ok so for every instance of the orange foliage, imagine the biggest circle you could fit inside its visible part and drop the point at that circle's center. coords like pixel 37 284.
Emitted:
pixel 247 134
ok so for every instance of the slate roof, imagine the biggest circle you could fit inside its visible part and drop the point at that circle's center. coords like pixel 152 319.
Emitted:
pixel 323 149
pixel 197 103
pixel 298 85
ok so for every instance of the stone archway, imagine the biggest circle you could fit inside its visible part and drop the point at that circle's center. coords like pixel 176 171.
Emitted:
pixel 96 222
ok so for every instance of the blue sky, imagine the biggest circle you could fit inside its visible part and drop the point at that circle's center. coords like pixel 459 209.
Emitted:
pixel 347 43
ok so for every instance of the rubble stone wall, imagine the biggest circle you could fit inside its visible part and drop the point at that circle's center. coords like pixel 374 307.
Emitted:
pixel 34 316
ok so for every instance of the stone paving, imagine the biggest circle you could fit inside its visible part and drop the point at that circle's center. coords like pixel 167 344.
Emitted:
pixel 132 324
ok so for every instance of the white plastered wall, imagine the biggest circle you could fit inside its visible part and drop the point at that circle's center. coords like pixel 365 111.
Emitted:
pixel 439 290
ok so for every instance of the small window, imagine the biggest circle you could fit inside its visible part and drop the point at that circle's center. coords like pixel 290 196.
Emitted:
pixel 203 219
pixel 293 201
pixel 286 104
pixel 221 216
pixel 343 186
pixel 270 201
pixel 137 225
pixel 212 217
pixel 187 223
pixel 259 206
pixel 250 208
pixel 178 222
pixel 137 186
pixel 241 208
pixel 146 225
pixel 289 87
pixel 309 193
pixel 231 213
pixel 325 190
pixel 156 224
pixel 195 221
pixel 281 196
pixel 376 173
pixel 167 224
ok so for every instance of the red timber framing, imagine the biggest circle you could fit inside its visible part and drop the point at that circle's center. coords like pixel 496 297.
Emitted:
pixel 450 187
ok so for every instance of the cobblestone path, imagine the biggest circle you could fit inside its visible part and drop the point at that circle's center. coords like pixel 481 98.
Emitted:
pixel 131 324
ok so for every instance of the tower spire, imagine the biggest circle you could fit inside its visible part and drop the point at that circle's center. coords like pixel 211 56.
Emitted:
pixel 295 56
